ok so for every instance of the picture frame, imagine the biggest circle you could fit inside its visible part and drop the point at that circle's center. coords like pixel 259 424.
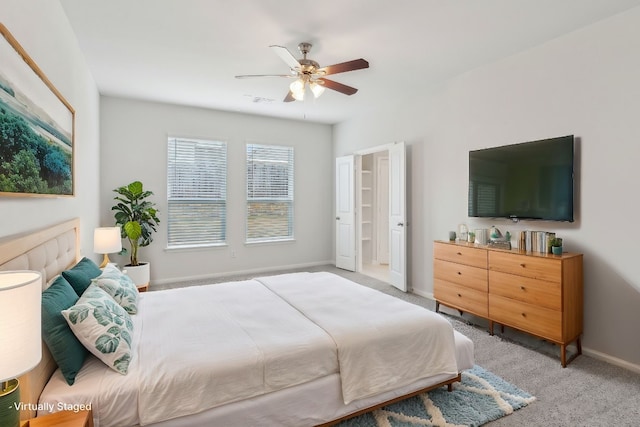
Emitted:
pixel 36 128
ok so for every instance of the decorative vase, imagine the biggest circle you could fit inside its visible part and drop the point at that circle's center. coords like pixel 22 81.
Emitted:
pixel 556 250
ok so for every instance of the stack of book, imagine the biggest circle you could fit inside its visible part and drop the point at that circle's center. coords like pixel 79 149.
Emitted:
pixel 536 241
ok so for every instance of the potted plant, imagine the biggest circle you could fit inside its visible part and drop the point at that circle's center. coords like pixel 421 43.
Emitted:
pixel 137 218
pixel 556 245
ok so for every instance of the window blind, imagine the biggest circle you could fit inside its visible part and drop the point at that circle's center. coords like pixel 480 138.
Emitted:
pixel 269 193
pixel 196 192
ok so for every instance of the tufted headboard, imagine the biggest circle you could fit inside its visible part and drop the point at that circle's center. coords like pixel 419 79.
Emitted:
pixel 48 250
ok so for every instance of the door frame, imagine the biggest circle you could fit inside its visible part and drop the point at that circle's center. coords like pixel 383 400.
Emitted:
pixel 358 209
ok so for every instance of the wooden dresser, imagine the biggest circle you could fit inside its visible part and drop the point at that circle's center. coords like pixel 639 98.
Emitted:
pixel 534 292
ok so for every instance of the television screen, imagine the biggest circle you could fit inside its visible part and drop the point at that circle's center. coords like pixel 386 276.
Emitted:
pixel 530 180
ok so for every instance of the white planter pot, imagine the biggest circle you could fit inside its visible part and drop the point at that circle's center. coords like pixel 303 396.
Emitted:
pixel 140 274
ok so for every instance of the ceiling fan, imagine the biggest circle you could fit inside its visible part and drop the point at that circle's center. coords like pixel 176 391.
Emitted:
pixel 308 73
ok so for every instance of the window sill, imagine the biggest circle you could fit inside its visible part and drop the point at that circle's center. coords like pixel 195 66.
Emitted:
pixel 195 248
pixel 270 242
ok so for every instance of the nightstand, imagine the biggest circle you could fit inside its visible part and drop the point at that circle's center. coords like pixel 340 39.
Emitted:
pixel 62 419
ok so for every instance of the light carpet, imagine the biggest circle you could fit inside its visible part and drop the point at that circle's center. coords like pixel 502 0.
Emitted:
pixel 480 397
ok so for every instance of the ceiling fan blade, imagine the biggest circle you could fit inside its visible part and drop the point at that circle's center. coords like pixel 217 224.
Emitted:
pixel 339 87
pixel 248 76
pixel 286 56
pixel 289 97
pixel 356 64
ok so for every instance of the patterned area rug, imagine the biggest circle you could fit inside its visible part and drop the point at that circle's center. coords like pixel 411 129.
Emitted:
pixel 480 397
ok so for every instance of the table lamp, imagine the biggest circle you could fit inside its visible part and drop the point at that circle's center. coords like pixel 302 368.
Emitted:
pixel 20 339
pixel 106 240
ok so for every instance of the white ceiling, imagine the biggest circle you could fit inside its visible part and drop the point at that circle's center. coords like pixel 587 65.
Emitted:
pixel 188 51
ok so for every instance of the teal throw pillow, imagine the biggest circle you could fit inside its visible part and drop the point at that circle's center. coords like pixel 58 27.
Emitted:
pixel 79 277
pixel 103 327
pixel 65 348
pixel 120 287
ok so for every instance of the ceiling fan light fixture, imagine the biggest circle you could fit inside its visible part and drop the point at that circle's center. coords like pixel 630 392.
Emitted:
pixel 317 89
pixel 297 90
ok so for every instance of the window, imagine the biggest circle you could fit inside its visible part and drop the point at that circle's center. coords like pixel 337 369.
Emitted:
pixel 269 193
pixel 196 192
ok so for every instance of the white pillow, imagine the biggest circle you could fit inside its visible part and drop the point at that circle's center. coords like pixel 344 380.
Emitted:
pixel 120 287
pixel 103 327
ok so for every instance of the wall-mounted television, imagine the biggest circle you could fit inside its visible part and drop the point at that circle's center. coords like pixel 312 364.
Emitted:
pixel 530 180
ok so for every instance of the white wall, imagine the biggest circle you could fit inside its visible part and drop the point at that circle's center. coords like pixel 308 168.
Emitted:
pixel 42 29
pixel 586 84
pixel 134 144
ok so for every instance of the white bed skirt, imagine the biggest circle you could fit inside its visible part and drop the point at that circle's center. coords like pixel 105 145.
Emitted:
pixel 309 404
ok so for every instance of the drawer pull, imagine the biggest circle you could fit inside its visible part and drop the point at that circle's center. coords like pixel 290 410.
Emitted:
pixel 522 288
pixel 524 315
pixel 459 296
pixel 523 265
pixel 459 273
pixel 459 253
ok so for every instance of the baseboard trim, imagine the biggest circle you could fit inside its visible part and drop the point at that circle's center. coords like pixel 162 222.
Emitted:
pixel 611 359
pixel 161 282
pixel 428 295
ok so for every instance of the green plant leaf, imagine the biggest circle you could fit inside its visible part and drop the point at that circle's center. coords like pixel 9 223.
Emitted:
pixel 133 230
pixel 136 188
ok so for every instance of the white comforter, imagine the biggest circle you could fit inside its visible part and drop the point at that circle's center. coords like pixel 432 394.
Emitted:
pixel 210 345
pixel 201 347
pixel 383 342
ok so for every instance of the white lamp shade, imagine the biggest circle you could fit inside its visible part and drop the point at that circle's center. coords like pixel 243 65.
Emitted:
pixel 317 89
pixel 297 90
pixel 20 339
pixel 107 240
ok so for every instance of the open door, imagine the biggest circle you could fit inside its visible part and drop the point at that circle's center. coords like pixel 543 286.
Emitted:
pixel 345 214
pixel 397 217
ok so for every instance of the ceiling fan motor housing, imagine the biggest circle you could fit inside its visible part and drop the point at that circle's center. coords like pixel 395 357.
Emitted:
pixel 304 48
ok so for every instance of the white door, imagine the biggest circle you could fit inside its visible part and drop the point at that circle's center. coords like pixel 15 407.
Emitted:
pixel 397 217
pixel 345 214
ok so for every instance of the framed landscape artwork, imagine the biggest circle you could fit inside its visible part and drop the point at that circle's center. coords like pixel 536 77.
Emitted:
pixel 36 128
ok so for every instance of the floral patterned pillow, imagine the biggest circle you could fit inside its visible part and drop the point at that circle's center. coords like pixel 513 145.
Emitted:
pixel 120 287
pixel 103 327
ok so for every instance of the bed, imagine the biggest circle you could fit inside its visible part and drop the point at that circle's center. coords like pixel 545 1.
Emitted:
pixel 300 349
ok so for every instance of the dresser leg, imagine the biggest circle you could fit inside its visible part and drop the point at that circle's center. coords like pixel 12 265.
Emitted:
pixel 563 355
pixel 437 306
pixel 491 327
pixel 578 346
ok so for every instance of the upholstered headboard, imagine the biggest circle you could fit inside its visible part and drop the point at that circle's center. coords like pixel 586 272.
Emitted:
pixel 48 250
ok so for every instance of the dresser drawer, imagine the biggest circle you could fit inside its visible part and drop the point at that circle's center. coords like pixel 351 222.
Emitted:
pixel 471 277
pixel 460 297
pixel 539 321
pixel 460 254
pixel 526 289
pixel 524 265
